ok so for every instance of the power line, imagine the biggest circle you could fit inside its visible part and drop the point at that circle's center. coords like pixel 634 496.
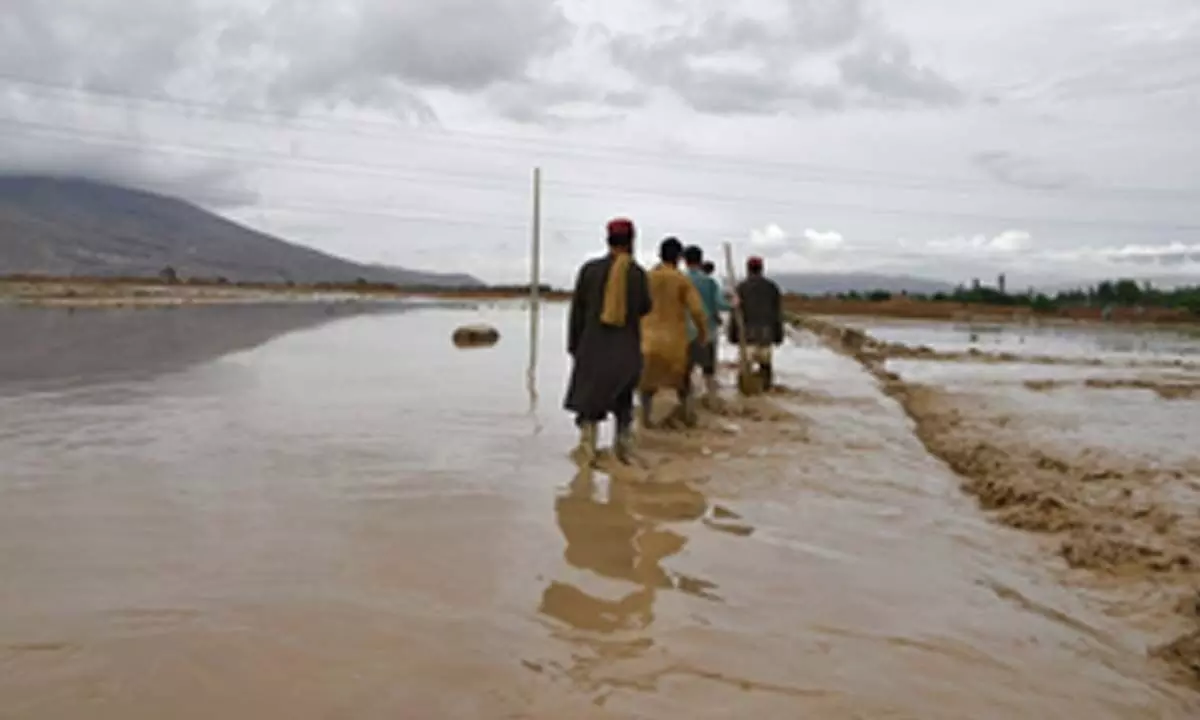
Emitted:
pixel 611 154
pixel 227 152
pixel 581 190
pixel 493 223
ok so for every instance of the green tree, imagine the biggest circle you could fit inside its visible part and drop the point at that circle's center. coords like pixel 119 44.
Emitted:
pixel 1127 292
pixel 1043 303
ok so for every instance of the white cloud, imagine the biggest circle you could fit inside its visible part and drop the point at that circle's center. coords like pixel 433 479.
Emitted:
pixel 774 240
pixel 1170 250
pixel 1009 241
pixel 823 241
pixel 771 239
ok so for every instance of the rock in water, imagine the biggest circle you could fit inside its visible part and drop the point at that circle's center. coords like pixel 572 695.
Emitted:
pixel 469 336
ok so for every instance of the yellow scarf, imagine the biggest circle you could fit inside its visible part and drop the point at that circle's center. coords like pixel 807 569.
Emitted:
pixel 616 290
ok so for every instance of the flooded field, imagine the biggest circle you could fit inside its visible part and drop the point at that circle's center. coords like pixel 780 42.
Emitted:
pixel 329 512
pixel 1065 340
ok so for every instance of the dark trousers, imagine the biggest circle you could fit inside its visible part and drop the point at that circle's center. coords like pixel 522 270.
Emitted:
pixel 704 356
pixel 622 410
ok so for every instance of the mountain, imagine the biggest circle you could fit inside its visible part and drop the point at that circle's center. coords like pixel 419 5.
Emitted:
pixel 835 283
pixel 69 226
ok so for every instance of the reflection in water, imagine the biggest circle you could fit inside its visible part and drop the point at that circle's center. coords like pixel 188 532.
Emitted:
pixel 618 537
pixel 531 371
pixel 98 345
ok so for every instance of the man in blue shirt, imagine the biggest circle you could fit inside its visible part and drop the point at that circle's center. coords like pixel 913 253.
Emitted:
pixel 705 355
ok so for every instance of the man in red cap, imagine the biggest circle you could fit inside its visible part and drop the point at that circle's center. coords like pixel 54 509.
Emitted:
pixel 762 312
pixel 604 340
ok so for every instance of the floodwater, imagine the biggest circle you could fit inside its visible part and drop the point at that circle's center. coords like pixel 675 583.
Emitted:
pixel 305 513
pixel 1102 394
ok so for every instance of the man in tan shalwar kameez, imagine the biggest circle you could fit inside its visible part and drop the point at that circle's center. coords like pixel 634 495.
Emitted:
pixel 665 347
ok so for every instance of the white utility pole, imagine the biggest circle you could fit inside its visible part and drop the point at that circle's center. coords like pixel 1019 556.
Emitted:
pixel 535 280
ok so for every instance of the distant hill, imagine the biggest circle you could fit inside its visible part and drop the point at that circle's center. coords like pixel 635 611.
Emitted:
pixel 836 283
pixel 65 226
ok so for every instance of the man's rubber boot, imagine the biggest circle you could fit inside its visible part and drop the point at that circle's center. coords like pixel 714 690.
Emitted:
pixel 687 411
pixel 768 377
pixel 585 452
pixel 710 391
pixel 647 406
pixel 623 444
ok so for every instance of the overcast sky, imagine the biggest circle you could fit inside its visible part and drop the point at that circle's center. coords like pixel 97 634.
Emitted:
pixel 1051 139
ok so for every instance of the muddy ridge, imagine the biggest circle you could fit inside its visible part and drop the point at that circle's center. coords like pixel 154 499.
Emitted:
pixel 1109 515
pixel 869 348
pixel 1163 388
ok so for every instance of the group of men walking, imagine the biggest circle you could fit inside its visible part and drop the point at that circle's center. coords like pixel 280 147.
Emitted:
pixel 637 332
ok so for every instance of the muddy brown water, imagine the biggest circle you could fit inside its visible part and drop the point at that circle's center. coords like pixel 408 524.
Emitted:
pixel 347 517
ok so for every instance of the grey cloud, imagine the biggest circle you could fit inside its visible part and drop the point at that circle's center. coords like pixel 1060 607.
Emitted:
pixel 461 45
pixel 113 46
pixel 279 55
pixel 624 99
pixel 827 24
pixel 730 92
pixel 1165 260
pixel 873 67
pixel 886 69
pixel 283 54
pixel 1140 60
pixel 64 139
pixel 1011 169
pixel 767 89
pixel 1164 255
pixel 218 184
pixel 543 103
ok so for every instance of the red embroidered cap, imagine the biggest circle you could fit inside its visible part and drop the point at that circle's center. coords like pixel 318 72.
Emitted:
pixel 620 227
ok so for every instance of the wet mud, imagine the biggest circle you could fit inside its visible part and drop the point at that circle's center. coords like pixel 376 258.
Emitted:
pixel 1165 388
pixel 1124 519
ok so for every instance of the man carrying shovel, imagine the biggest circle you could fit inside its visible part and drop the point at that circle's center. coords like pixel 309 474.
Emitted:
pixel 761 304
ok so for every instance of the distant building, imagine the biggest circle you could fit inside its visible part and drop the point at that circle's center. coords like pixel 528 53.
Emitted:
pixel 974 283
pixel 1000 283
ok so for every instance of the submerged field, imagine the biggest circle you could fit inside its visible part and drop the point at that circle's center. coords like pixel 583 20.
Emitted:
pixel 316 511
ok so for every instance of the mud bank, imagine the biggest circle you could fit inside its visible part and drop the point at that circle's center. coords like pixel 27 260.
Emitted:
pixel 1118 520
pixel 142 292
pixel 863 344
pixel 908 308
pixel 1166 389
pixel 84 295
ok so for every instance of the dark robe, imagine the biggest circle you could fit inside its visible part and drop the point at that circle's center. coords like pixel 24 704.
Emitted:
pixel 762 310
pixel 608 360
